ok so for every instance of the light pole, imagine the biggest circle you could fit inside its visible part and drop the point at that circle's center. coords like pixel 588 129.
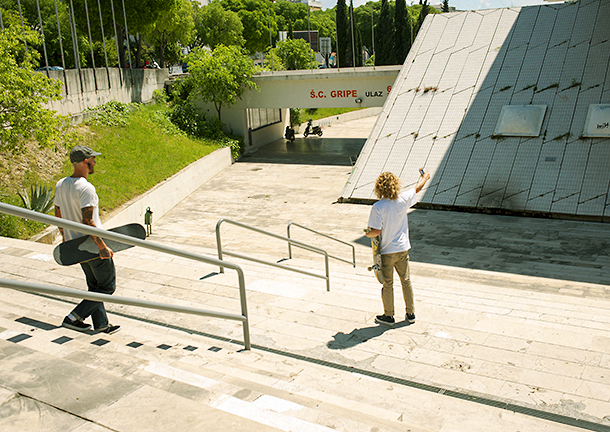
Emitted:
pixel 373 35
pixel 411 22
pixel 351 21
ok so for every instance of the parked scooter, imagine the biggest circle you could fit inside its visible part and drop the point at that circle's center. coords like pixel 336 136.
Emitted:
pixel 312 130
pixel 289 135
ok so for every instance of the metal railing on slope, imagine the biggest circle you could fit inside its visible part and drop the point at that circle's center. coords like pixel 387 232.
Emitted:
pixel 63 223
pixel 260 261
pixel 353 262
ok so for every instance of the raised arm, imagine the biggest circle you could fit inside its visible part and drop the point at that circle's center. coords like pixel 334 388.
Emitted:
pixel 422 181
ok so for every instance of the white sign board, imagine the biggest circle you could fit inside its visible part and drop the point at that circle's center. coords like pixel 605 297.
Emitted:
pixel 598 121
pixel 520 120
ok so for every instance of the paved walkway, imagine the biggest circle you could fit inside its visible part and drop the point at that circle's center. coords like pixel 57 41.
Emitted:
pixel 505 304
pixel 511 332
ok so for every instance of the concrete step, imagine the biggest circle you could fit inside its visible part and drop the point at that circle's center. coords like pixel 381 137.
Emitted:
pixel 533 348
pixel 253 386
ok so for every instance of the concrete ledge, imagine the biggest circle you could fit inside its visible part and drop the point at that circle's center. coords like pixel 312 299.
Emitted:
pixel 162 198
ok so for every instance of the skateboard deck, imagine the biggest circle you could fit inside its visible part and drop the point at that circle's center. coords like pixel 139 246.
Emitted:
pixel 83 249
pixel 376 246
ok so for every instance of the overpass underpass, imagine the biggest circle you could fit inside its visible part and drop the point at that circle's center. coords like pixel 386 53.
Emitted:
pixel 321 88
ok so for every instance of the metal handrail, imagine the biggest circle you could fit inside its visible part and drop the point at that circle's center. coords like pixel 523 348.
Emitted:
pixel 290 241
pixel 353 262
pixel 86 229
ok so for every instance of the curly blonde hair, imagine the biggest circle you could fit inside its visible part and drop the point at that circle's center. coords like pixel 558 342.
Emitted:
pixel 387 186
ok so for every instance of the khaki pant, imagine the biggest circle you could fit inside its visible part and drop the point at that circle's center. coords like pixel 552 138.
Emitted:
pixel 400 262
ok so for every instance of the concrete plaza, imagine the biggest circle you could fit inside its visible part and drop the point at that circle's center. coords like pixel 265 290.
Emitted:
pixel 511 331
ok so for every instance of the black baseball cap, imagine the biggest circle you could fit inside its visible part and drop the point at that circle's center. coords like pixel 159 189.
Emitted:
pixel 80 153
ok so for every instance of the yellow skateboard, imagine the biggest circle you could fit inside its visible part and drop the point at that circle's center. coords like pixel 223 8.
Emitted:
pixel 376 246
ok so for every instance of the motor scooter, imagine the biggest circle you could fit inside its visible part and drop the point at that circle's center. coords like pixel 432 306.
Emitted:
pixel 312 130
pixel 289 134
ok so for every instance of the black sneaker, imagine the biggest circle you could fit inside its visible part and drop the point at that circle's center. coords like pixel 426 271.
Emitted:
pixel 109 329
pixel 75 325
pixel 384 319
pixel 411 318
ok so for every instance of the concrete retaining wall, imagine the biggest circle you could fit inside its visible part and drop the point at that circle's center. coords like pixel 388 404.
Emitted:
pixel 164 196
pixel 88 88
pixel 349 116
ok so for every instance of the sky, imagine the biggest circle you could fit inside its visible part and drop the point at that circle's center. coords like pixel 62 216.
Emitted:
pixel 458 4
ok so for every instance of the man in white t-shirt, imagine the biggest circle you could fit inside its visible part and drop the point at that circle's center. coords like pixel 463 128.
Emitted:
pixel 76 200
pixel 389 218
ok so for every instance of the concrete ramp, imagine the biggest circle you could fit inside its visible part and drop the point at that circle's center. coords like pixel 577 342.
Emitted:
pixel 444 109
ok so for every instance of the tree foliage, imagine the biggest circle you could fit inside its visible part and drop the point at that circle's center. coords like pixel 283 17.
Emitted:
pixel 402 20
pixel 215 26
pixel 173 27
pixel 425 10
pixel 219 77
pixel 344 39
pixel 259 21
pixel 385 46
pixel 294 54
pixel 23 91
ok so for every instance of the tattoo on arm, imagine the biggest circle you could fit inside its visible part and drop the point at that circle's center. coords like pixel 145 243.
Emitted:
pixel 88 220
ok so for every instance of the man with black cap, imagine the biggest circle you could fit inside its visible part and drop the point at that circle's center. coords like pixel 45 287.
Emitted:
pixel 76 200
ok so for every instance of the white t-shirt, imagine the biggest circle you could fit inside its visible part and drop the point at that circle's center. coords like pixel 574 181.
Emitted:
pixel 390 216
pixel 72 194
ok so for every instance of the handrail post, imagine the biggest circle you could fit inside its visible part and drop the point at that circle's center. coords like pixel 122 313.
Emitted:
pixel 244 307
pixel 353 262
pixel 287 239
pixel 218 243
pixel 327 271
pixel 289 244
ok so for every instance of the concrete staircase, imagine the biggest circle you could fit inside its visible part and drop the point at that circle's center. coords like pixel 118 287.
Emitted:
pixel 154 377
pixel 313 349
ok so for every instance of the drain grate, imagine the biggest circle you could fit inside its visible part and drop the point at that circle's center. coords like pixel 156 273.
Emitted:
pixel 19 338
pixel 100 342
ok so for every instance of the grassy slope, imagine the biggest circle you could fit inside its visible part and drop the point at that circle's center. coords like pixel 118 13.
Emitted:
pixel 135 158
pixel 138 156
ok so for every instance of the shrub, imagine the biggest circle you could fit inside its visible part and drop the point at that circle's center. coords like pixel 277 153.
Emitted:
pixel 160 96
pixel 112 113
pixel 39 200
pixel 194 122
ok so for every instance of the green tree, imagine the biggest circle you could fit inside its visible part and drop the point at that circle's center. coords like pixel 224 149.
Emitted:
pixel 259 21
pixel 402 21
pixel 385 46
pixel 359 45
pixel 362 20
pixel 294 54
pixel 173 27
pixel 445 7
pixel 51 36
pixel 425 9
pixel 214 26
pixel 140 16
pixel 23 91
pixel 324 22
pixel 344 38
pixel 288 13
pixel 219 77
